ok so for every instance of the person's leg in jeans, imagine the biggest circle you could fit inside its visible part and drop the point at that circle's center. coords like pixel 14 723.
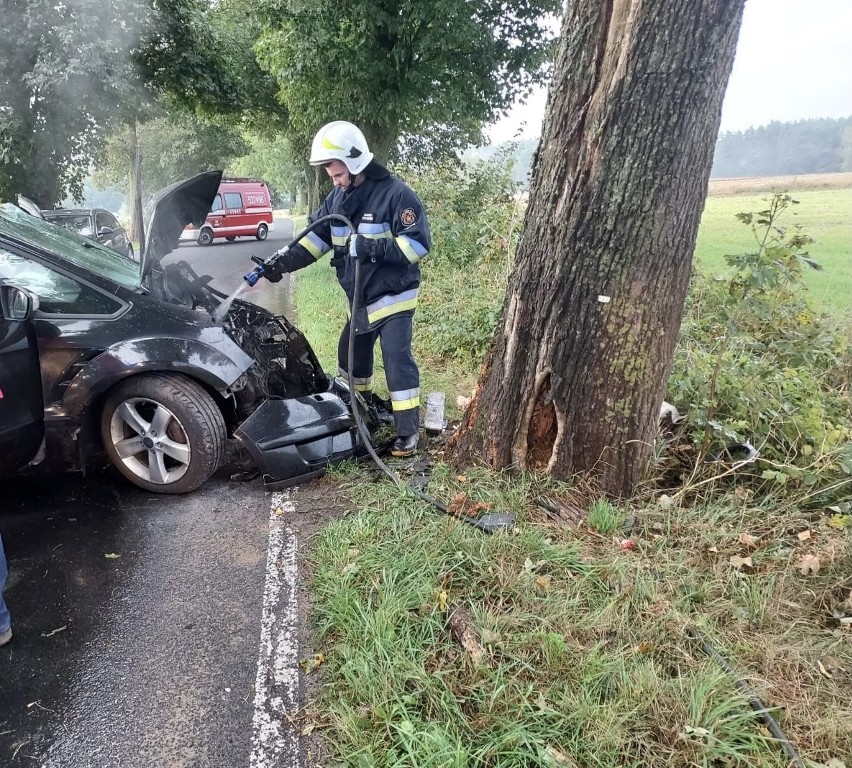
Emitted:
pixel 5 619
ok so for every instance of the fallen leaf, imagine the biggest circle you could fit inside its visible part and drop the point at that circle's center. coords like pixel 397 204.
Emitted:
pixel 804 535
pixel 808 564
pixel 694 732
pixel 839 522
pixel 442 600
pixel 713 549
pixel 462 402
pixel 835 509
pixel 456 504
pixel 461 478
pixel 748 540
pixel 738 562
pixel 665 501
pixel 743 494
pixel 542 584
pixel 835 763
pixel 111 555
pixel 558 758
pixel 310 663
pixel 646 646
pixel 308 729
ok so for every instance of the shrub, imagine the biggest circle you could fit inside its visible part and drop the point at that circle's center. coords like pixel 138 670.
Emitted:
pixel 475 218
pixel 755 362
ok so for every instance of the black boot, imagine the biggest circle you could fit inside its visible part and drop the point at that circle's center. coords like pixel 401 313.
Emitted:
pixel 404 446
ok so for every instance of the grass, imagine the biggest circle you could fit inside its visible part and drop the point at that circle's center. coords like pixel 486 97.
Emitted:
pixel 826 215
pixel 586 661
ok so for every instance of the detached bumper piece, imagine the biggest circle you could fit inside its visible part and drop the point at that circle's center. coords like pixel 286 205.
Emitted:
pixel 293 441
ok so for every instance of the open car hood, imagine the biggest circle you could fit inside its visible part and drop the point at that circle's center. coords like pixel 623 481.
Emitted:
pixel 184 202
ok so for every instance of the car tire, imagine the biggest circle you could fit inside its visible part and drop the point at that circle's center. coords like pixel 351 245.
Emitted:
pixel 178 407
pixel 262 231
pixel 205 237
pixel 231 238
pixel 130 254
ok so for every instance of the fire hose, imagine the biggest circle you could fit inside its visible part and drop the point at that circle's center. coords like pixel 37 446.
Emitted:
pixel 488 523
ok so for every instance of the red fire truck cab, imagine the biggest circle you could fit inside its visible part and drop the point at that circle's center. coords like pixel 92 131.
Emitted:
pixel 241 208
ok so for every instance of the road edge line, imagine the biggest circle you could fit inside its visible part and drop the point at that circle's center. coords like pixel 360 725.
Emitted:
pixel 275 740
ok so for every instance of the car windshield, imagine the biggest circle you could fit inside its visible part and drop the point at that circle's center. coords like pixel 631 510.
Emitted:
pixel 69 246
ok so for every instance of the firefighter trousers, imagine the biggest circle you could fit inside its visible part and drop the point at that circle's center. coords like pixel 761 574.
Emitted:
pixel 401 372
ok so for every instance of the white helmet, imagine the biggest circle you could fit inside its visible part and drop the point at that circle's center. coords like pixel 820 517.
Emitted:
pixel 341 141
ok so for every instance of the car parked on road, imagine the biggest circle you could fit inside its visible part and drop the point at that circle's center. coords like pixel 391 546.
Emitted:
pixel 95 223
pixel 139 361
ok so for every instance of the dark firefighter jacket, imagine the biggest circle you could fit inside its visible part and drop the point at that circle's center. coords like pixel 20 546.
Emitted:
pixel 389 214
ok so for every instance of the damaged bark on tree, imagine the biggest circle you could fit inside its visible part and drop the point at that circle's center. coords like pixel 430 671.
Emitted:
pixel 578 366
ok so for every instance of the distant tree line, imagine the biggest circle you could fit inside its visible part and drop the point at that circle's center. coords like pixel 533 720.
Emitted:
pixel 821 145
pixel 779 149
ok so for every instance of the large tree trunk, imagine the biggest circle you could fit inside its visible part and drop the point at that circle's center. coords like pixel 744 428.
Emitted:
pixel 578 366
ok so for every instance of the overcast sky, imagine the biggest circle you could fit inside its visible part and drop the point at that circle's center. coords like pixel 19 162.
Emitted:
pixel 794 61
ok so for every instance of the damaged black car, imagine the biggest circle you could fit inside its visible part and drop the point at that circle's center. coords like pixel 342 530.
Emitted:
pixel 139 361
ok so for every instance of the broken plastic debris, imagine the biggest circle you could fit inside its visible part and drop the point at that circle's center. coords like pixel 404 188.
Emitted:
pixel 434 420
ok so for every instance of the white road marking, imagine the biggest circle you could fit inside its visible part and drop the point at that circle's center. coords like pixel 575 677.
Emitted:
pixel 275 741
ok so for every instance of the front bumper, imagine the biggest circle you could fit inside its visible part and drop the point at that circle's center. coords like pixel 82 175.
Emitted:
pixel 294 440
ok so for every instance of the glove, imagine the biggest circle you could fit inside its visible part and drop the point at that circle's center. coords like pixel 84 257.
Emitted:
pixel 273 269
pixel 361 247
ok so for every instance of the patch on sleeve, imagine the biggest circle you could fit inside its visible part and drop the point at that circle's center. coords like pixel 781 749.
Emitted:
pixel 408 217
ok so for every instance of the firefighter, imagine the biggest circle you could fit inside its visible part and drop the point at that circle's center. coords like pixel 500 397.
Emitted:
pixel 391 238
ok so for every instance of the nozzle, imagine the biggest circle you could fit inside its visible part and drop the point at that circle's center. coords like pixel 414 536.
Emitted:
pixel 252 277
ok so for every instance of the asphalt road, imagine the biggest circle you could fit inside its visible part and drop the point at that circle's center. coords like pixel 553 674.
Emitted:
pixel 146 627
pixel 152 630
pixel 227 262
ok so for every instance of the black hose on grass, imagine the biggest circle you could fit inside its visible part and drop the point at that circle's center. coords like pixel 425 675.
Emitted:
pixel 754 702
pixel 488 523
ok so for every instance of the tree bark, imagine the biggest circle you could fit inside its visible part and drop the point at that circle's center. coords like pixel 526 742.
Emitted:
pixel 578 365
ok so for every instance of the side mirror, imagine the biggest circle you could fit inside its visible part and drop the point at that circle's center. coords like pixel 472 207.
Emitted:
pixel 105 230
pixel 17 304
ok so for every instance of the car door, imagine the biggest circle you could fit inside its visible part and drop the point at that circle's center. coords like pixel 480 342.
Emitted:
pixel 121 240
pixel 107 231
pixel 238 223
pixel 218 216
pixel 21 405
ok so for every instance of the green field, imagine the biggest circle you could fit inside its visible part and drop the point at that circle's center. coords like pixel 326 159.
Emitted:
pixel 826 215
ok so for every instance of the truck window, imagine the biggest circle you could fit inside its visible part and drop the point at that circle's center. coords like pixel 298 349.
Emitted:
pixel 233 200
